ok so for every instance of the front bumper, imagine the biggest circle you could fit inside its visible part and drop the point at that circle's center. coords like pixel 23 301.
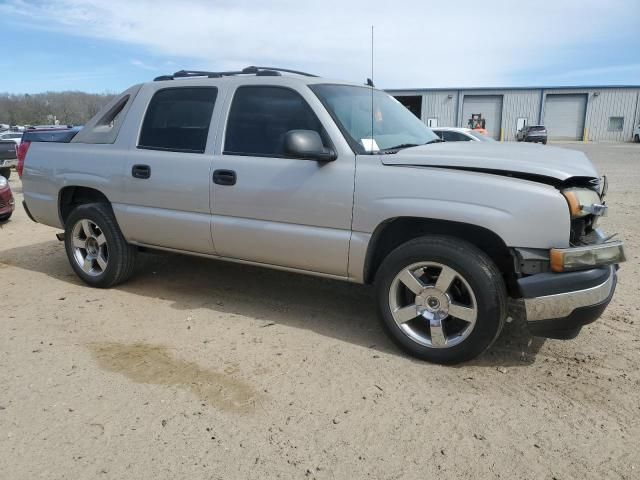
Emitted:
pixel 558 305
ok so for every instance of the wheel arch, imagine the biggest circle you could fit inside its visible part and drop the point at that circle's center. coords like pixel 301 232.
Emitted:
pixel 71 196
pixel 396 231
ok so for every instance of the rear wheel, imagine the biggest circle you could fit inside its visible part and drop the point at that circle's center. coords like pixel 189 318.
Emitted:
pixel 5 172
pixel 441 299
pixel 637 138
pixel 96 249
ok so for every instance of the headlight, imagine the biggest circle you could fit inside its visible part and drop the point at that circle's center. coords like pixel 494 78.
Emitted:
pixel 584 201
pixel 3 182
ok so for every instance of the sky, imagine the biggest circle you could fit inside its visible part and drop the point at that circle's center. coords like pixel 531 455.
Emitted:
pixel 109 45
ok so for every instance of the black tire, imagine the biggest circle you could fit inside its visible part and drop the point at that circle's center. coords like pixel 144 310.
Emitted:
pixel 637 139
pixel 121 256
pixel 5 172
pixel 479 272
pixel 544 142
pixel 5 218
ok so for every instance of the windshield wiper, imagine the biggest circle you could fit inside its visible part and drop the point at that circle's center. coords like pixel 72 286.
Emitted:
pixel 395 148
pixel 402 145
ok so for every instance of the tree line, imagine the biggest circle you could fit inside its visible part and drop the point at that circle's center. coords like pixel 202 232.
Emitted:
pixel 68 108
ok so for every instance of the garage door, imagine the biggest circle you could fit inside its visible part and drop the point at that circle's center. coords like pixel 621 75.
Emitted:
pixel 490 106
pixel 564 116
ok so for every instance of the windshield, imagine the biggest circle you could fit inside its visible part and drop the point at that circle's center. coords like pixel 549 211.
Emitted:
pixel 394 126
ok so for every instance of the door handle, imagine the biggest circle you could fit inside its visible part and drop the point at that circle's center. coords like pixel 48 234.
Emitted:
pixel 224 177
pixel 141 171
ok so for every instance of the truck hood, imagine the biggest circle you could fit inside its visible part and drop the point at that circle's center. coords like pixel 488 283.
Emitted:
pixel 516 159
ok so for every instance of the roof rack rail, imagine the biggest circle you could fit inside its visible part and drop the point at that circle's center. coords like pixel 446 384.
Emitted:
pixel 252 70
pixel 285 70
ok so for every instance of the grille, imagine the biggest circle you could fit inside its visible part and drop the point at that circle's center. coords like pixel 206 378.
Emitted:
pixel 2 204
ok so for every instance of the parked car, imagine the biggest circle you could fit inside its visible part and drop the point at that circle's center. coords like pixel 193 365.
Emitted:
pixel 532 133
pixel 7 203
pixel 16 137
pixel 47 127
pixel 8 157
pixel 453 134
pixel 636 134
pixel 447 232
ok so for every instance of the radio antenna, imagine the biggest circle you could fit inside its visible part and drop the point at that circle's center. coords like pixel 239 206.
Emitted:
pixel 371 85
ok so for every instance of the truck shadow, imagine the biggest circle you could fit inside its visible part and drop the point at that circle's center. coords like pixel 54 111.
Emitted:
pixel 330 308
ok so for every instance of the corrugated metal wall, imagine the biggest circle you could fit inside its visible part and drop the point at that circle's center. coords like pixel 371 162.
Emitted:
pixel 446 106
pixel 611 103
pixel 519 104
pixel 437 104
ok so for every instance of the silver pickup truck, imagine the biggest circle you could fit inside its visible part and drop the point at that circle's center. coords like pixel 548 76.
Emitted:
pixel 287 170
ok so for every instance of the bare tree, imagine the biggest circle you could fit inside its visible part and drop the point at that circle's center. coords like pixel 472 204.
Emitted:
pixel 71 108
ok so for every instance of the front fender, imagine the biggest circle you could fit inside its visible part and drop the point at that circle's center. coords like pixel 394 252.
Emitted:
pixel 522 213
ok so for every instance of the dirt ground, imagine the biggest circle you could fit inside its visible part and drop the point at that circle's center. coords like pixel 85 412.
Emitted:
pixel 207 370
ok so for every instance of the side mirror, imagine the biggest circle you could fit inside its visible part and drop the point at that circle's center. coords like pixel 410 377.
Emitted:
pixel 307 144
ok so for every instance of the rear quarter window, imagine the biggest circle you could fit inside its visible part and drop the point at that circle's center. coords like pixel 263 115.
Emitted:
pixel 105 126
pixel 178 119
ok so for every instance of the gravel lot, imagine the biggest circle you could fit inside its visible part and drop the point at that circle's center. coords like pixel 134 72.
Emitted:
pixel 203 369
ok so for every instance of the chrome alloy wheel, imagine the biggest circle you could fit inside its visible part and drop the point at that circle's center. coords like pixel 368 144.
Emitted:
pixel 433 304
pixel 90 249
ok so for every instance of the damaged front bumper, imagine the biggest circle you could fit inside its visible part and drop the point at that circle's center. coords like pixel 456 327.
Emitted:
pixel 577 290
pixel 558 305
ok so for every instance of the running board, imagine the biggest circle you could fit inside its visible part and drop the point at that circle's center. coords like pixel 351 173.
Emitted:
pixel 60 236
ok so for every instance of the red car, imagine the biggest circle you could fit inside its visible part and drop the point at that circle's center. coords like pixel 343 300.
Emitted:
pixel 7 202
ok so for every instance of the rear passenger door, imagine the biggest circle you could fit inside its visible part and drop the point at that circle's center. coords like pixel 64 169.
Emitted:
pixel 168 171
pixel 282 211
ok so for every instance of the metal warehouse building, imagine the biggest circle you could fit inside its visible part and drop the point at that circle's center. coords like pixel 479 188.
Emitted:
pixel 601 113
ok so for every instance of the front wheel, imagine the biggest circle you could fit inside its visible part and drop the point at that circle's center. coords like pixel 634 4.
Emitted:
pixel 5 172
pixel 96 248
pixel 637 138
pixel 441 299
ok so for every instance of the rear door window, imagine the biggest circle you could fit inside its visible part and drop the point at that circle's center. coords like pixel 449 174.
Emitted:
pixel 261 116
pixel 178 119
pixel 455 137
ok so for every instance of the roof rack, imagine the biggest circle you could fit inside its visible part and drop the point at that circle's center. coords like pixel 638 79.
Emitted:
pixel 258 71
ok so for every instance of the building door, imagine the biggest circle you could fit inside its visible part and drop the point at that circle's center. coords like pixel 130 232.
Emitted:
pixel 564 116
pixel 520 123
pixel 489 106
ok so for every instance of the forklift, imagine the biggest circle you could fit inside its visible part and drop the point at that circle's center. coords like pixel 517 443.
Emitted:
pixel 477 123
